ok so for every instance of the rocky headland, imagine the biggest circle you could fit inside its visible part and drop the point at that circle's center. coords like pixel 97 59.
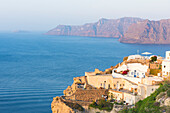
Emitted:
pixel 128 29
pixel 103 28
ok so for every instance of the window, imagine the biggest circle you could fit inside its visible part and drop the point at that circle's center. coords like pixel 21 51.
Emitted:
pixel 108 86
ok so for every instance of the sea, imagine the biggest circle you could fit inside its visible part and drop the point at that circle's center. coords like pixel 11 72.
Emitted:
pixel 35 67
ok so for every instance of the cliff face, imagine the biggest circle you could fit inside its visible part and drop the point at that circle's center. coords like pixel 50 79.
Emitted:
pixel 60 106
pixel 129 30
pixel 57 106
pixel 148 32
pixel 103 28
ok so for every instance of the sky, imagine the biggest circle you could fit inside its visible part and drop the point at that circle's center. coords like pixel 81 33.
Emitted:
pixel 43 15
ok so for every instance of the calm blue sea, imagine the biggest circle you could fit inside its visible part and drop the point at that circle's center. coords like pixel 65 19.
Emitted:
pixel 34 67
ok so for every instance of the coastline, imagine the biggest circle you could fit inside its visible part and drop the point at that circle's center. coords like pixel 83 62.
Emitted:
pixel 89 90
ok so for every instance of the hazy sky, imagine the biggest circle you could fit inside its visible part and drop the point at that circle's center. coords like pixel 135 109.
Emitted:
pixel 47 14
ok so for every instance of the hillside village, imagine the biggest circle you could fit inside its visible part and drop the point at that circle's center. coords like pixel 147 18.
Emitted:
pixel 136 78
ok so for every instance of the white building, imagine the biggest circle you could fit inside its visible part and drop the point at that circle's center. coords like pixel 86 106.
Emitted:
pixel 166 65
pixel 135 69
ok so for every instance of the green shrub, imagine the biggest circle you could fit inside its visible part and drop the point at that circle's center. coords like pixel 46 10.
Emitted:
pixel 154 58
pixel 121 103
pixel 102 105
pixel 168 93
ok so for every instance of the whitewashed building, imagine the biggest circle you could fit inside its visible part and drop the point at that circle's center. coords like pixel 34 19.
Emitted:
pixel 135 69
pixel 166 65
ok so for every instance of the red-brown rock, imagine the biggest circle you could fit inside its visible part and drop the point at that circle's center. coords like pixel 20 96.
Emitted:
pixel 103 28
pixel 148 32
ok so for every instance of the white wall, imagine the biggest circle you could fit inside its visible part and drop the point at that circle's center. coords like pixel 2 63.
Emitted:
pixel 167 55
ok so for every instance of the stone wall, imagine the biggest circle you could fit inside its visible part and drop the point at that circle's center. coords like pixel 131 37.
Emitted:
pixel 87 95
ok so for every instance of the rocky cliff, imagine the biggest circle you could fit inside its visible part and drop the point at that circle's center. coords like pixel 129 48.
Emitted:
pixel 60 106
pixel 128 29
pixel 103 28
pixel 148 32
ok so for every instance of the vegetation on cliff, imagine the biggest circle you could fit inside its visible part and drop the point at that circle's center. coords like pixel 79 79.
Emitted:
pixel 149 104
pixel 102 105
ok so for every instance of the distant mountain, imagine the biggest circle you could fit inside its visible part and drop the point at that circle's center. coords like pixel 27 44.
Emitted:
pixel 148 32
pixel 103 28
pixel 128 29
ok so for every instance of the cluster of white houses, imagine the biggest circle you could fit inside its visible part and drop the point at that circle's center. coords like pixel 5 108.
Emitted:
pixel 131 80
pixel 166 65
